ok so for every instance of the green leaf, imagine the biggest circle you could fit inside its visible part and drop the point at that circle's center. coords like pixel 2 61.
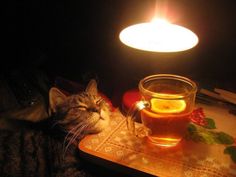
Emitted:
pixel 192 128
pixel 200 134
pixel 224 138
pixel 208 137
pixel 210 123
pixel 231 150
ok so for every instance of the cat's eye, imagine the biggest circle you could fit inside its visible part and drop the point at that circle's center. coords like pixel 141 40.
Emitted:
pixel 99 101
pixel 80 107
pixel 83 108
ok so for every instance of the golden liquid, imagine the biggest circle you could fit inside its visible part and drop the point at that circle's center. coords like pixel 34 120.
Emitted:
pixel 165 129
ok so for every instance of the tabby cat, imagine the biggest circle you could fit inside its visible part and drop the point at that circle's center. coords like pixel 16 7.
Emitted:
pixel 47 148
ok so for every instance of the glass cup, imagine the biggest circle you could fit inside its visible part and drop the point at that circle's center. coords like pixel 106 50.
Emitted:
pixel 166 102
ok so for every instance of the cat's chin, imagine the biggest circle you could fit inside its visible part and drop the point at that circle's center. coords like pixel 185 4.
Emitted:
pixel 103 122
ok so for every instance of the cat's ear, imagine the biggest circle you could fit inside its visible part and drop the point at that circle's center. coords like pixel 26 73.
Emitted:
pixel 92 87
pixel 56 97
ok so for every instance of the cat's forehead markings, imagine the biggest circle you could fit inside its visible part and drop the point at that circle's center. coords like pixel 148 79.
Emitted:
pixel 84 94
pixel 81 97
pixel 78 98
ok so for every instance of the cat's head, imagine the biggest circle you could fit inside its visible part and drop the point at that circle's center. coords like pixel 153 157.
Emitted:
pixel 82 113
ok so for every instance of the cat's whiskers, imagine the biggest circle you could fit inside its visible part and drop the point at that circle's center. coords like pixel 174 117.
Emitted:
pixel 75 135
pixel 74 130
pixel 78 132
pixel 71 131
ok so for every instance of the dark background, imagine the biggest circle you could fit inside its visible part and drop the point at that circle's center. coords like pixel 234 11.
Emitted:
pixel 78 40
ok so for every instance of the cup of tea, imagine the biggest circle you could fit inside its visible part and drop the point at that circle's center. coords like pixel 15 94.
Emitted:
pixel 166 102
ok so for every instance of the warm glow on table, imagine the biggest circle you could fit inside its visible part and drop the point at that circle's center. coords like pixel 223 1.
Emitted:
pixel 158 36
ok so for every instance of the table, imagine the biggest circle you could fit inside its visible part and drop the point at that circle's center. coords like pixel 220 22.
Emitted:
pixel 117 149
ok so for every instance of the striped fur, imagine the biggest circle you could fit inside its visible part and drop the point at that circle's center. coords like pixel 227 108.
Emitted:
pixel 35 153
pixel 38 149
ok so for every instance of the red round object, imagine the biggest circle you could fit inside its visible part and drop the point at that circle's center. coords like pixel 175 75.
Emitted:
pixel 129 98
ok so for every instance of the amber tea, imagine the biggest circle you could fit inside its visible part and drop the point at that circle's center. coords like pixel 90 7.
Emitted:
pixel 167 102
pixel 166 120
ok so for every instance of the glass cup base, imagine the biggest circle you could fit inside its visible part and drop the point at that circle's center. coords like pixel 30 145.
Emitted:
pixel 164 142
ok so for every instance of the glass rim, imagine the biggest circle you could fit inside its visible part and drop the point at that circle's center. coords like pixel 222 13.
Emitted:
pixel 171 77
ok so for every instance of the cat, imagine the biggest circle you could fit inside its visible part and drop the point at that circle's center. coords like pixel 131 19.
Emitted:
pixel 39 149
pixel 80 114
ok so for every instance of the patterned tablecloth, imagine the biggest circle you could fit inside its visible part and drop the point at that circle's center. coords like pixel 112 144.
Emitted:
pixel 189 158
